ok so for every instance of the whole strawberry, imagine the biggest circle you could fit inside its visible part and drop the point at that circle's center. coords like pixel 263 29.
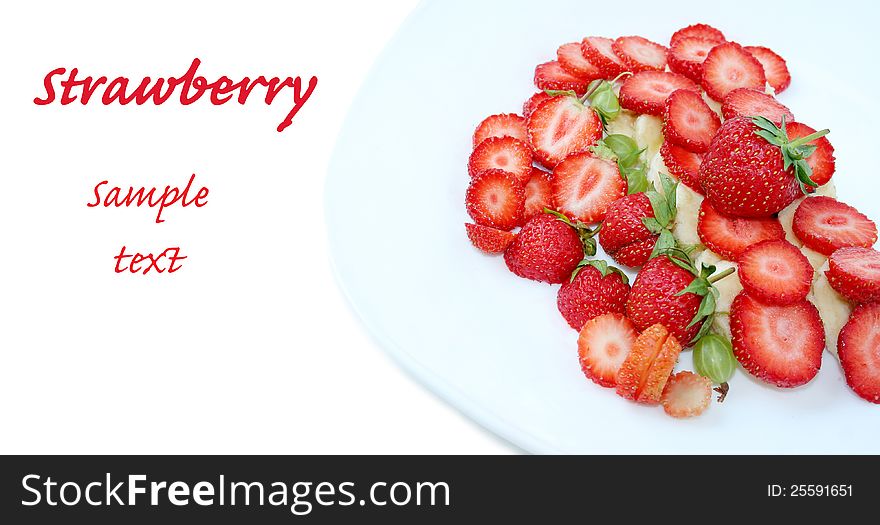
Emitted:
pixel 753 169
pixel 548 248
pixel 594 289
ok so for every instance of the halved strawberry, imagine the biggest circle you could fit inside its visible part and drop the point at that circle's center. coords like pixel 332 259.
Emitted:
pixel 647 367
pixel 572 60
pixel 530 105
pixel 585 186
pixel 686 395
pixel 730 236
pixel 647 91
pixel 682 164
pixel 496 198
pixel 686 57
pixel 704 31
pixel 858 347
pixel 603 344
pixel 599 52
pixel 560 127
pixel 689 122
pixel 506 125
pixel 855 274
pixel 488 239
pixel 551 76
pixel 727 67
pixel 775 272
pixel 502 153
pixel 640 54
pixel 774 66
pixel 826 225
pixel 539 193
pixel 747 102
pixel 822 160
pixel 781 345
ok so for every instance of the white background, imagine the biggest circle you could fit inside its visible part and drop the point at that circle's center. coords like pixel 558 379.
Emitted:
pixel 250 348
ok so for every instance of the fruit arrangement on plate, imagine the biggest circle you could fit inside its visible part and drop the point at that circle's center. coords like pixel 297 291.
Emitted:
pixel 680 162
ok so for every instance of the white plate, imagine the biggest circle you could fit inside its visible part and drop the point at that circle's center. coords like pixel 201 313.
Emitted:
pixel 493 345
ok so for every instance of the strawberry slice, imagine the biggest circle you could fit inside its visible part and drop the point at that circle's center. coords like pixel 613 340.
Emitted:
pixel 686 395
pixel 826 225
pixel 704 31
pixel 686 57
pixel 572 60
pixel 822 160
pixel 496 198
pixel 855 274
pixel 689 122
pixel 506 125
pixel 774 66
pixel 585 186
pixel 603 344
pixel 599 51
pixel 530 105
pixel 640 54
pixel 682 164
pixel 746 102
pixel 488 239
pixel 647 367
pixel 775 272
pixel 502 153
pixel 560 127
pixel 858 347
pixel 781 345
pixel 539 193
pixel 730 236
pixel 647 91
pixel 551 76
pixel 727 67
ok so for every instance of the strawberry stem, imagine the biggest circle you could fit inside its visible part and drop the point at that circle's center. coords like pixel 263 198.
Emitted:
pixel 809 138
pixel 715 278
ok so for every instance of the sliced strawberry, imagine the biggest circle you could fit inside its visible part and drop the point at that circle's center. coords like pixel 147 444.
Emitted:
pixel 689 122
pixel 775 272
pixel 822 160
pixel 502 153
pixel 603 344
pixel 496 198
pixel 686 57
pixel 599 52
pixel 746 102
pixel 584 186
pixel 727 67
pixel 682 164
pixel 506 125
pixel 530 105
pixel 781 345
pixel 730 236
pixel 704 31
pixel 647 91
pixel 640 54
pixel 774 66
pixel 560 127
pixel 825 225
pixel 551 76
pixel 647 368
pixel 539 193
pixel 855 274
pixel 572 60
pixel 686 395
pixel 488 239
pixel 858 347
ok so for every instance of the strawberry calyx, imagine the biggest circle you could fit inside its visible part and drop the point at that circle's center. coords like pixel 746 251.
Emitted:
pixel 584 231
pixel 626 153
pixel 600 96
pixel 603 268
pixel 664 207
pixel 794 152
pixel 702 285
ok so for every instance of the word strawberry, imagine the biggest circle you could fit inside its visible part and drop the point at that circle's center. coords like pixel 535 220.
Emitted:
pixel 572 60
pixel 689 122
pixel 506 125
pixel 640 54
pixel 682 164
pixel 686 395
pixel 775 68
pixel 562 126
pixel 603 344
pixel 539 193
pixel 857 350
pixel 551 76
pixel 487 239
pixel 646 369
pixel 546 249
pixel 687 55
pixel 584 187
pixel 503 153
pixel 704 31
pixel 826 225
pixel 647 91
pixel 599 52
pixel 594 289
pixel 775 272
pixel 855 274
pixel 496 198
pixel 746 102
pixel 730 236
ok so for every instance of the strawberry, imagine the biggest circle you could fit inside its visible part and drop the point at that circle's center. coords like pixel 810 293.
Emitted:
pixel 703 31
pixel 686 57
pixel 584 187
pixel 822 160
pixel 572 60
pixel 594 289
pixel 623 227
pixel 539 193
pixel 507 125
pixel 599 52
pixel 730 236
pixel 781 345
pixel 496 198
pixel 747 102
pixel 603 344
pixel 640 54
pixel 855 274
pixel 647 367
pixel 488 239
pixel 562 126
pixel 530 105
pixel 774 66
pixel 859 351
pixel 546 249
pixel 826 225
pixel 728 66
pixel 682 164
pixel 647 91
pixel 502 153
pixel 551 76
pixel 775 272
pixel 689 122
pixel 686 395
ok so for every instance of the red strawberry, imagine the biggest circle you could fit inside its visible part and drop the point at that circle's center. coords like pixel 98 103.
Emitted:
pixel 595 289
pixel 640 54
pixel 746 102
pixel 703 31
pixel 623 228
pixel 647 91
pixel 502 153
pixel 487 239
pixel 775 272
pixel 551 76
pixel 686 395
pixel 774 66
pixel 781 345
pixel 826 225
pixel 855 274
pixel 562 126
pixel 572 60
pixel 496 198
pixel 682 164
pixel 859 351
pixel 730 236
pixel 507 125
pixel 727 67
pixel 546 249
pixel 599 52
pixel 646 369
pixel 585 186
pixel 686 57
pixel 603 344
pixel 539 193
pixel 689 122
pixel 822 160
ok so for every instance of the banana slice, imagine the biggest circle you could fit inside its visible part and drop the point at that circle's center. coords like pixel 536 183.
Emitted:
pixel 687 205
pixel 648 134
pixel 729 287
pixel 833 309
pixel 721 325
pixel 623 124
pixel 786 218
pixel 714 105
pixel 817 260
